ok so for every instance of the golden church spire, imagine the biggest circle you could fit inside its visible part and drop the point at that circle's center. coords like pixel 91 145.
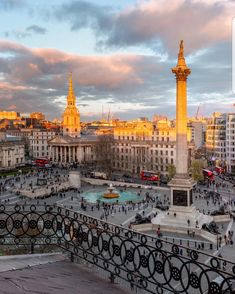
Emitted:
pixel 71 92
pixel 71 99
pixel 71 117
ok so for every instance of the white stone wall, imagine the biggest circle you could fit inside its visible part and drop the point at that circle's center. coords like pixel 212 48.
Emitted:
pixel 230 142
pixel 75 179
pixel 38 143
pixel 154 154
pixel 11 155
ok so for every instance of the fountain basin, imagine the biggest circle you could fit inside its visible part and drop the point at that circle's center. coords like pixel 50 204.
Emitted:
pixel 97 194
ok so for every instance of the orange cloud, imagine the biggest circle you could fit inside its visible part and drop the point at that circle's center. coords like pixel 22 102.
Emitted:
pixel 4 86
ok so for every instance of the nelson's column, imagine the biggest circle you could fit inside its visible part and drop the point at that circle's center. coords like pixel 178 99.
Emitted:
pixel 181 184
pixel 182 213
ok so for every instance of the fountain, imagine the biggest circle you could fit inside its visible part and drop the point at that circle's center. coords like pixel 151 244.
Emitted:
pixel 111 192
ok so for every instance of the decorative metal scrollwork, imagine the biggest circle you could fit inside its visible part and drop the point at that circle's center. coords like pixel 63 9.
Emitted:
pixel 150 263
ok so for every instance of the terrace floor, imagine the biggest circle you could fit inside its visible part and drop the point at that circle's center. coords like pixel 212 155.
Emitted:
pixel 22 274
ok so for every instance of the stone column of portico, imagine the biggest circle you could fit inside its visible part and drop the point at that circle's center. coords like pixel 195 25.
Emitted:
pixel 65 154
pixel 69 153
pixel 60 154
pixel 53 151
pixel 73 153
pixel 78 154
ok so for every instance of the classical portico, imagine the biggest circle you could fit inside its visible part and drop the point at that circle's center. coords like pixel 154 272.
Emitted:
pixel 71 147
pixel 65 149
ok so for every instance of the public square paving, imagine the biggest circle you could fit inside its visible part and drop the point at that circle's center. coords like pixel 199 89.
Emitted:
pixel 123 214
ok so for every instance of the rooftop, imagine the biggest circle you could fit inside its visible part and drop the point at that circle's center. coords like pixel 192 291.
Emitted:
pixel 52 274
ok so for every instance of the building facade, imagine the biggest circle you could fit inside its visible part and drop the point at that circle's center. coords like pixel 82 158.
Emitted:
pixel 144 146
pixel 198 130
pixel 220 140
pixel 230 142
pixel 12 115
pixel 37 115
pixel 216 138
pixel 12 154
pixel 38 143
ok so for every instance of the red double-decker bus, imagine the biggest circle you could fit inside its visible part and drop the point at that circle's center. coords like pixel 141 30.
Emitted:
pixel 149 176
pixel 42 162
pixel 219 170
pixel 208 174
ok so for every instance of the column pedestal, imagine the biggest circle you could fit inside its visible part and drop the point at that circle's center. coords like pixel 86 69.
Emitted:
pixel 182 214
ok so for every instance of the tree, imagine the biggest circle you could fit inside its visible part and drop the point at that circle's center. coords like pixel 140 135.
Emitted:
pixel 104 152
pixel 171 170
pixel 196 168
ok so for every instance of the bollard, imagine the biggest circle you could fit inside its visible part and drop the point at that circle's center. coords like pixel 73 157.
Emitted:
pixel 72 257
pixel 202 245
pixel 211 246
pixel 32 248
pixel 112 278
pixel 180 242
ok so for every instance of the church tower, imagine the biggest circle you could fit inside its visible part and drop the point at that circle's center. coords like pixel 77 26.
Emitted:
pixel 71 116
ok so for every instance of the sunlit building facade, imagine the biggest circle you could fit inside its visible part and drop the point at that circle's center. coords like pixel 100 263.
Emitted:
pixel 141 145
pixel 216 138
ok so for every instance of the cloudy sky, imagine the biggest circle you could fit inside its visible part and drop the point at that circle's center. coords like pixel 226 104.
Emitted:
pixel 120 52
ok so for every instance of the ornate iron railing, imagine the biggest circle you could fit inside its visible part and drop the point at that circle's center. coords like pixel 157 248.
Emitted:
pixel 144 261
